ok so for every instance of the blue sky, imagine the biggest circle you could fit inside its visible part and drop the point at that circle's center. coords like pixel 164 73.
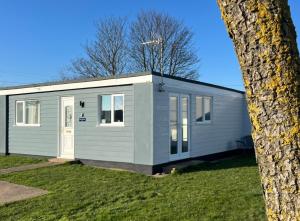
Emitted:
pixel 40 37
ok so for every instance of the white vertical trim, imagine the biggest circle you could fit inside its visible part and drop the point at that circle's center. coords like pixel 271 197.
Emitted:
pixel 58 126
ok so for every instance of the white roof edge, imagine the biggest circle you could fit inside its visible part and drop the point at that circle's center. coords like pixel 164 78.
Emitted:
pixel 202 87
pixel 80 85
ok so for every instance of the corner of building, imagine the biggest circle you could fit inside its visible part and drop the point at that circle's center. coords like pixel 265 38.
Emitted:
pixel 3 125
pixel 143 123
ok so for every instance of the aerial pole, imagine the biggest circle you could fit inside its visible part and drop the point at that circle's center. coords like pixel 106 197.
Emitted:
pixel 159 42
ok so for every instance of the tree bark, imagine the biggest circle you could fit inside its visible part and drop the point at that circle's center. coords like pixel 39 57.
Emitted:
pixel 265 43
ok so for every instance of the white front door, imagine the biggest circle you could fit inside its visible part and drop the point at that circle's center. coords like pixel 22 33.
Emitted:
pixel 179 109
pixel 67 128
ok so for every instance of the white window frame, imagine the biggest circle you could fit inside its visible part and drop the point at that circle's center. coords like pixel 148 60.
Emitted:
pixel 203 110
pixel 23 124
pixel 112 113
pixel 180 155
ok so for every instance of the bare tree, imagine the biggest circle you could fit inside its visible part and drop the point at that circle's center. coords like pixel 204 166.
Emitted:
pixel 171 52
pixel 107 54
pixel 159 39
pixel 265 42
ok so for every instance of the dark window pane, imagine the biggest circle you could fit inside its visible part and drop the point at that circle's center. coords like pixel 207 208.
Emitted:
pixel 118 109
pixel 207 108
pixel 199 109
pixel 207 116
pixel 173 147
pixel 105 117
pixel 173 112
pixel 118 115
pixel 185 146
pixel 174 139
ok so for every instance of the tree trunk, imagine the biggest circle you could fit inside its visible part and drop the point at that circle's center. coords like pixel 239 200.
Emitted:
pixel 265 42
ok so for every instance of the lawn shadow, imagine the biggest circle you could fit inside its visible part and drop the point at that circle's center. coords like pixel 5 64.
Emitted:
pixel 242 160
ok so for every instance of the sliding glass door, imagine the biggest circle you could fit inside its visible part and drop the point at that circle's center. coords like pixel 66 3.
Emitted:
pixel 179 126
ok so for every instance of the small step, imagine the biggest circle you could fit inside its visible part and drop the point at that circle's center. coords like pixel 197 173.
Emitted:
pixel 59 160
pixel 181 165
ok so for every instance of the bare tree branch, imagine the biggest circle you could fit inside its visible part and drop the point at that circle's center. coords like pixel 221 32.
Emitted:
pixel 111 54
pixel 107 54
pixel 179 57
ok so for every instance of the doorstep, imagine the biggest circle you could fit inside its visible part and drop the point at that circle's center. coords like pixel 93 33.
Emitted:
pixel 60 160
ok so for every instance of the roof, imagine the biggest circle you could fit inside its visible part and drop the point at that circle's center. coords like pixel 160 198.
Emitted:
pixel 199 82
pixel 93 81
pixel 76 81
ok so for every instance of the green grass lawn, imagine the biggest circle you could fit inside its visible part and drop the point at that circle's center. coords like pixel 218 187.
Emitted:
pixel 14 161
pixel 227 190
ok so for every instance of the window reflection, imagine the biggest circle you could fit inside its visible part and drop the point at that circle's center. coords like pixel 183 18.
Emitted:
pixel 68 116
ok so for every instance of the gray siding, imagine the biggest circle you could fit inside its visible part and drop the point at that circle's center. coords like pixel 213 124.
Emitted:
pixel 3 124
pixel 99 142
pixel 144 139
pixel 35 140
pixel 91 141
pixel 227 126
pixel 143 128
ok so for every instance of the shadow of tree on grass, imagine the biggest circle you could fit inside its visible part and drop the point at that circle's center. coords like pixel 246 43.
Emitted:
pixel 242 160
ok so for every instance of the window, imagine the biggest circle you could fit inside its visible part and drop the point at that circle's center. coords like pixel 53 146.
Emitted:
pixel 207 108
pixel 199 109
pixel 68 116
pixel 111 109
pixel 174 124
pixel 105 109
pixel 184 124
pixel 118 108
pixel 203 109
pixel 20 112
pixel 28 113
